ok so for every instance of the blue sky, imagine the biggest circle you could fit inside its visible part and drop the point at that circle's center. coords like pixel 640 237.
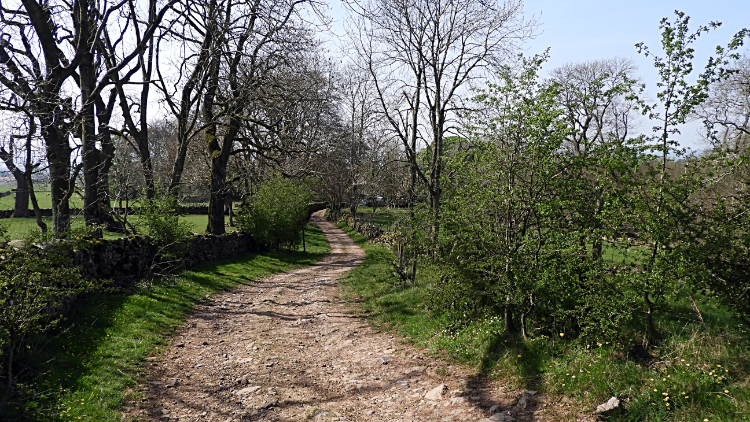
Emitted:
pixel 586 30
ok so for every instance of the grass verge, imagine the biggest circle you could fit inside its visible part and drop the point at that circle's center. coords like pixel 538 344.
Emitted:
pixel 694 374
pixel 92 364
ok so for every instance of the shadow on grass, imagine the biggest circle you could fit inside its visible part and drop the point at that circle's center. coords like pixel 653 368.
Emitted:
pixel 528 361
pixel 89 365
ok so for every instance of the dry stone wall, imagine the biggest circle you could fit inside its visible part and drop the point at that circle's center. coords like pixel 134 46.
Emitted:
pixel 129 259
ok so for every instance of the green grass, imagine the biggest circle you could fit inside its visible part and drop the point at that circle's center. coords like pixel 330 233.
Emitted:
pixel 682 371
pixel 97 355
pixel 19 228
pixel 383 217
pixel 43 197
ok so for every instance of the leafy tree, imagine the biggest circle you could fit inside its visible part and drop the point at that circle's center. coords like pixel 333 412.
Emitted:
pixel 660 210
pixel 508 245
pixel 276 214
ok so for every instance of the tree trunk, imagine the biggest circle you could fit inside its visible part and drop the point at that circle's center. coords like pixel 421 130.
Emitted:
pixel 94 212
pixel 9 383
pixel 353 204
pixel 218 197
pixel 596 247
pixel 21 205
pixel 37 211
pixel 510 326
pixel 58 156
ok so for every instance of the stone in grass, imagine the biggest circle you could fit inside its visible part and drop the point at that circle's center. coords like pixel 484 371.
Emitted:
pixel 611 404
pixel 437 392
pixel 502 417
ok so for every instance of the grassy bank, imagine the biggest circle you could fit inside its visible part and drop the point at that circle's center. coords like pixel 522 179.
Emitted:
pixel 694 374
pixel 92 364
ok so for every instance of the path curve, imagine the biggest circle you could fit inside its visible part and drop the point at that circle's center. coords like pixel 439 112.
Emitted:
pixel 288 348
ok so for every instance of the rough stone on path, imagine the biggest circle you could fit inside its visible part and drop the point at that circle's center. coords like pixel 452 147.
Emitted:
pixel 436 393
pixel 248 390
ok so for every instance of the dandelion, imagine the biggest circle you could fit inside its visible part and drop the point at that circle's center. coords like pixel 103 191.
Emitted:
pixel 726 391
pixel 562 334
pixel 519 356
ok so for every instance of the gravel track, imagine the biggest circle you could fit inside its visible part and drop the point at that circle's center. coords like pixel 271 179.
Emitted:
pixel 288 348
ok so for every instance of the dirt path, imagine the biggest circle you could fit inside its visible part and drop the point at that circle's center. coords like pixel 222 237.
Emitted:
pixel 286 348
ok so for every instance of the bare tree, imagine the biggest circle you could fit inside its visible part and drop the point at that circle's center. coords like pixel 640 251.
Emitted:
pixel 34 67
pixel 53 57
pixel 233 53
pixel 12 152
pixel 421 54
pixel 594 96
pixel 728 107
pixel 359 114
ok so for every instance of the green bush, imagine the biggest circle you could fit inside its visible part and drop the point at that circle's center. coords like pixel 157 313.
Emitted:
pixel 160 218
pixel 33 286
pixel 277 213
